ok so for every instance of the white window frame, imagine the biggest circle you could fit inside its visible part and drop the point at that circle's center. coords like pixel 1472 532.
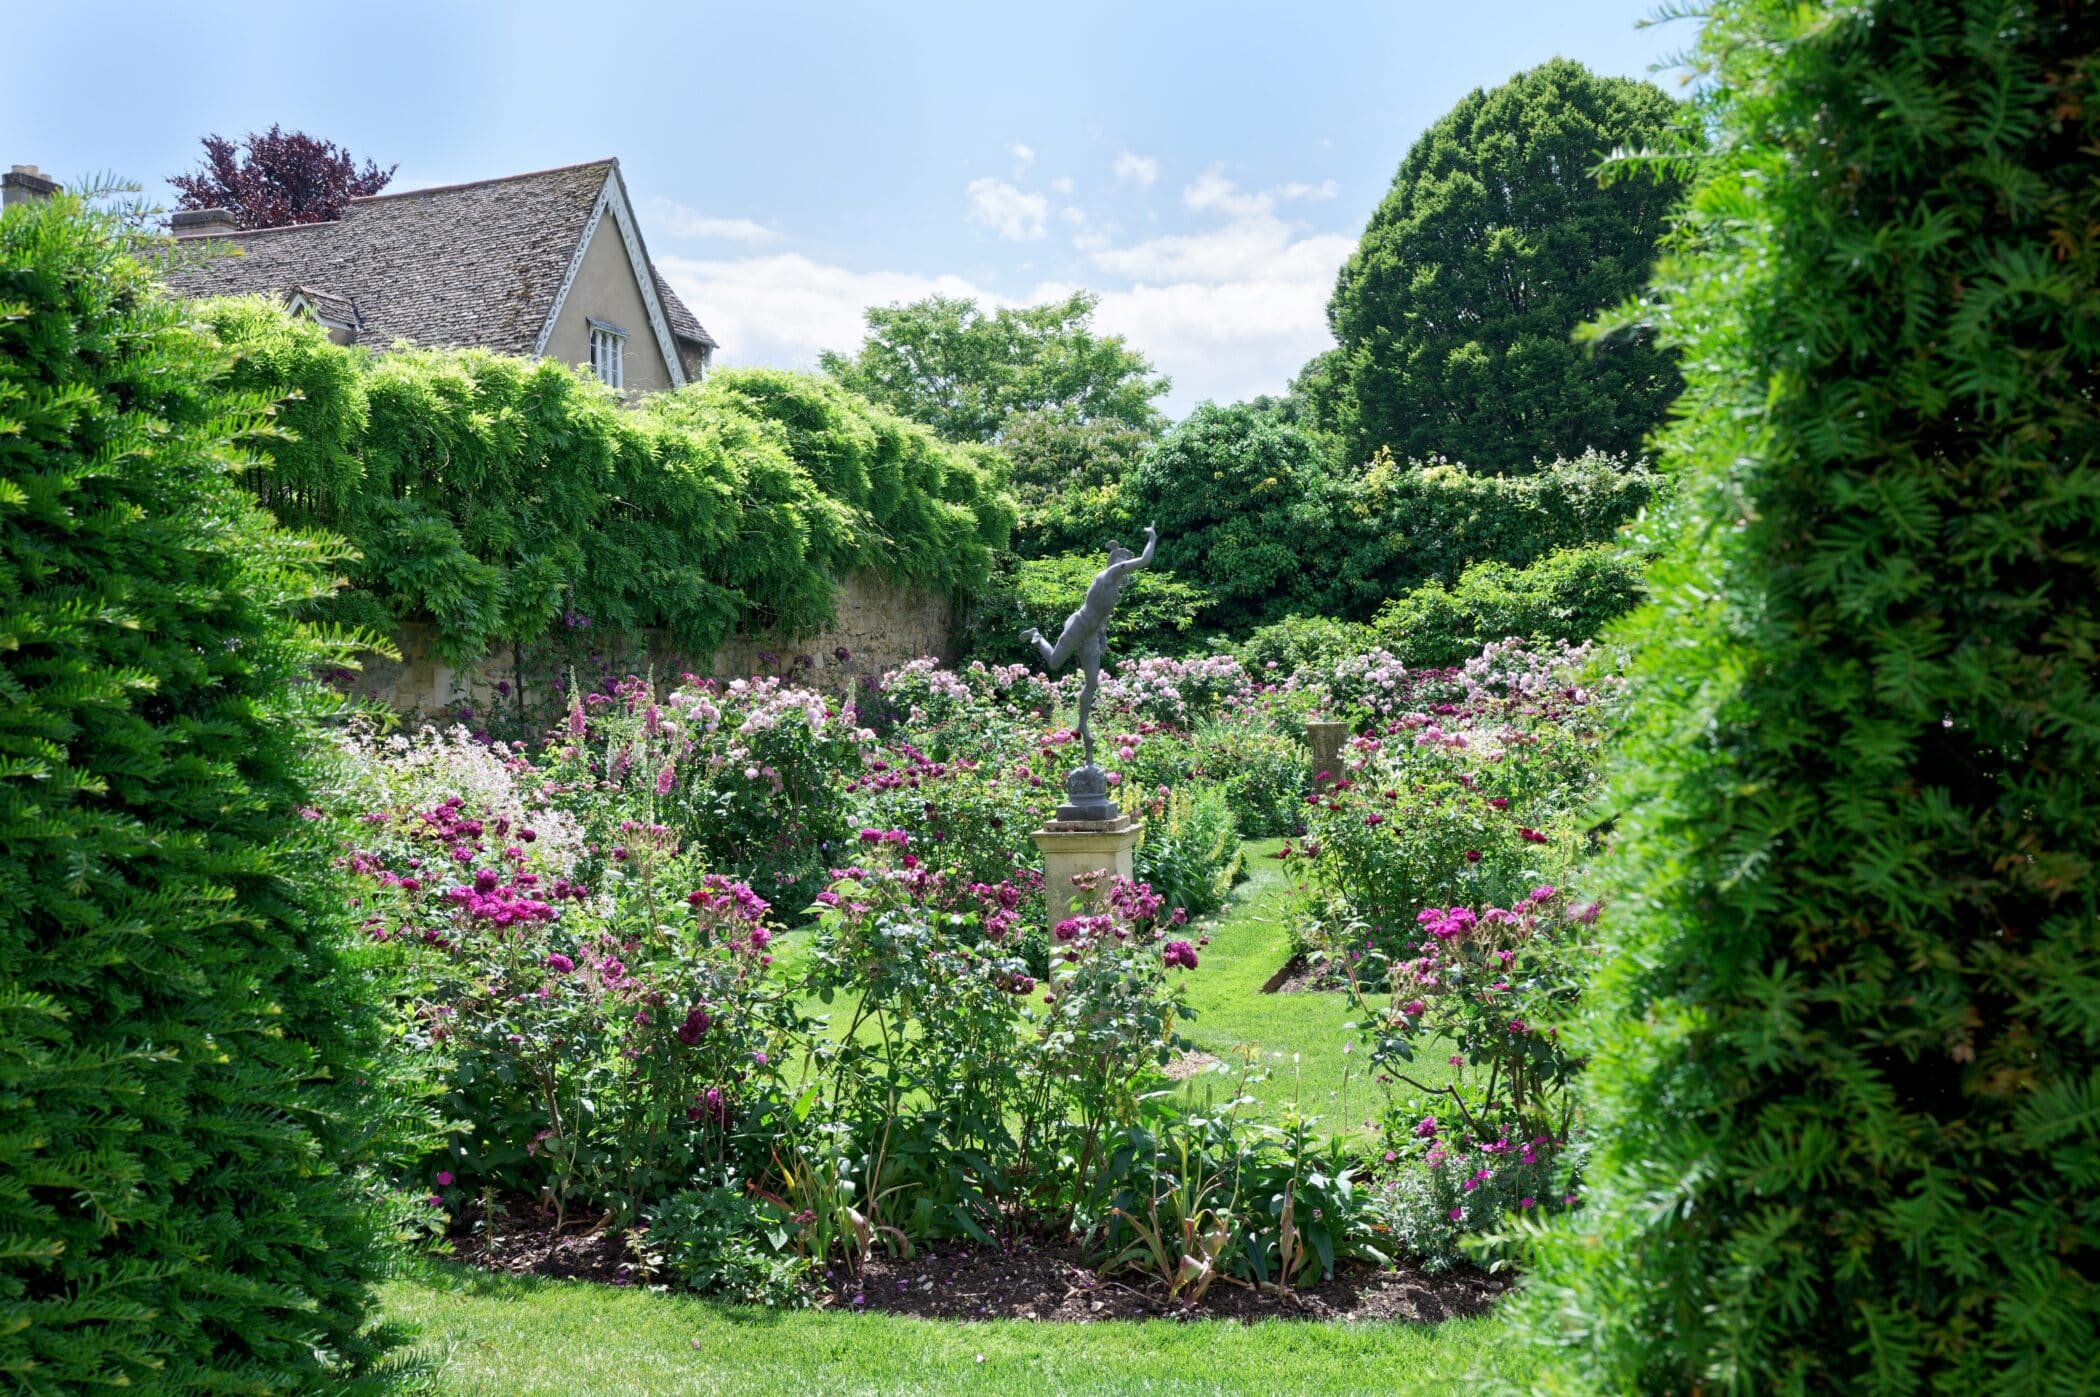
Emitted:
pixel 608 353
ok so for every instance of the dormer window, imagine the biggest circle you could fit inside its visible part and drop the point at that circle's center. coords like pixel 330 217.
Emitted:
pixel 609 354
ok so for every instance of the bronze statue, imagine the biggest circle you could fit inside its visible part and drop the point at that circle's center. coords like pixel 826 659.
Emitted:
pixel 1086 635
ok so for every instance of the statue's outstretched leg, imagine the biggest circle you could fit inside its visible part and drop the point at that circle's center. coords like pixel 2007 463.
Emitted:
pixel 1054 656
pixel 1090 666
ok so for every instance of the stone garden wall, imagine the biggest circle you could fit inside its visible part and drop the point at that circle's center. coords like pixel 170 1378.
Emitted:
pixel 879 626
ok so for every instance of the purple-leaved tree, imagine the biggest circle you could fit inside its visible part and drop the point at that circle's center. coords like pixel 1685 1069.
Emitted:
pixel 274 177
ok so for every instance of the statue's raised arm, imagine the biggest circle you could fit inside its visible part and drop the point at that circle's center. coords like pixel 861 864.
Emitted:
pixel 1144 559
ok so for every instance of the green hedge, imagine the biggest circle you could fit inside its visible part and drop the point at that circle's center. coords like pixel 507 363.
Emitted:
pixel 1427 521
pixel 1846 1061
pixel 1157 615
pixel 496 497
pixel 186 1061
pixel 1569 595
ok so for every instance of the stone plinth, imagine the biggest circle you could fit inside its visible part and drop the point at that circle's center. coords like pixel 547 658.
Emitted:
pixel 1075 848
pixel 1325 738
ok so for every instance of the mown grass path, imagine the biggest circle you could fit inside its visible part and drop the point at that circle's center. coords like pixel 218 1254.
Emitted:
pixel 1297 1039
pixel 479 1333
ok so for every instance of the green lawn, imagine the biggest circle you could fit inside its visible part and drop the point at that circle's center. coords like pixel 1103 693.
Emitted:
pixel 1296 1039
pixel 478 1333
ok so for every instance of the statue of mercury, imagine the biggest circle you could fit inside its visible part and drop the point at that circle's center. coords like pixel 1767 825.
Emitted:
pixel 1085 635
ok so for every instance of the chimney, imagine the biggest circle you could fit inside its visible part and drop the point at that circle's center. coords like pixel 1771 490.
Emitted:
pixel 23 183
pixel 203 223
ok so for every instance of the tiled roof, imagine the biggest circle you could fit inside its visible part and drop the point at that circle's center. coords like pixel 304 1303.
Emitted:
pixel 684 323
pixel 472 265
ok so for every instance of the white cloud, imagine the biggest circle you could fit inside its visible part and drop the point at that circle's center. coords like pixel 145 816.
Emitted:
pixel 677 221
pixel 1012 213
pixel 1325 189
pixel 1211 191
pixel 1225 342
pixel 1229 310
pixel 1136 169
pixel 1252 245
pixel 1024 155
pixel 1061 185
pixel 783 308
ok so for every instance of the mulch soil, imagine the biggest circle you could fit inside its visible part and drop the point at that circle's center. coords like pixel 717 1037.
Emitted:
pixel 1299 976
pixel 1028 1280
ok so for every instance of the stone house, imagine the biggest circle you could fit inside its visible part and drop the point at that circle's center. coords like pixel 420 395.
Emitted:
pixel 547 263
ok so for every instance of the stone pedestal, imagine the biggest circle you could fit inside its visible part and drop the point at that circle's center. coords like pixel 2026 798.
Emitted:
pixel 1326 738
pixel 1075 848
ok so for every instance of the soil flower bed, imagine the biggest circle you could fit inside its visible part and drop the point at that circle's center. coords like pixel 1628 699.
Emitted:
pixel 1028 1280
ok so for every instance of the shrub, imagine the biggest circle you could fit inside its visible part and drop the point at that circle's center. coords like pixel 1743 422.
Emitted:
pixel 718 1242
pixel 187 1049
pixel 745 774
pixel 604 1025
pixel 1251 751
pixel 1446 1201
pixel 1395 838
pixel 973 818
pixel 1499 985
pixel 1569 595
pixel 1472 800
pixel 1280 649
pixel 1173 691
pixel 1845 1058
pixel 1194 1196
pixel 1190 855
pixel 1262 772
pixel 949 1102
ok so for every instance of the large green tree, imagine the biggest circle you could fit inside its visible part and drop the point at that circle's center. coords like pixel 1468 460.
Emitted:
pixel 964 371
pixel 1846 1080
pixel 1496 242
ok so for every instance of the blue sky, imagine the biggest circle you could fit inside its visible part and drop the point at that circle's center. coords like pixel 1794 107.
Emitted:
pixel 1204 167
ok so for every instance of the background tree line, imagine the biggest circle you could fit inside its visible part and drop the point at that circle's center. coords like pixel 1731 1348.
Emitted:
pixel 1457 423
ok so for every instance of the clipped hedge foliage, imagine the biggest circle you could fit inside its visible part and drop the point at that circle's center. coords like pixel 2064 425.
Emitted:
pixel 186 1073
pixel 1846 1064
pixel 1570 595
pixel 1427 521
pixel 496 496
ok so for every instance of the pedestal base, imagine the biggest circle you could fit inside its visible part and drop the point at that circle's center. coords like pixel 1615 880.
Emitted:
pixel 1075 848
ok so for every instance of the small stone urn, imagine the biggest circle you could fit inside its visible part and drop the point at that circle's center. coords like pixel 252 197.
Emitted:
pixel 1325 738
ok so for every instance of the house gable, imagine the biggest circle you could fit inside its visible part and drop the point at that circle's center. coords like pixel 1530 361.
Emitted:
pixel 493 264
pixel 609 281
